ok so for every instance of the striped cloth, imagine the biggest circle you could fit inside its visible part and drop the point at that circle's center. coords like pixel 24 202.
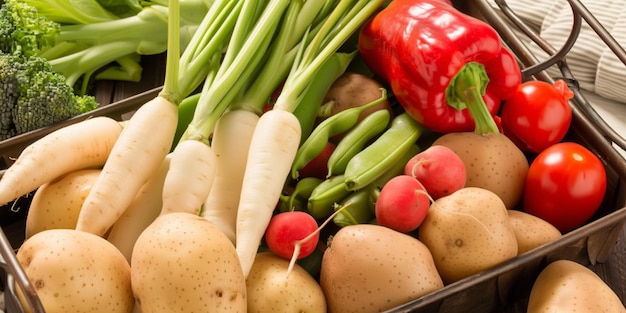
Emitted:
pixel 601 75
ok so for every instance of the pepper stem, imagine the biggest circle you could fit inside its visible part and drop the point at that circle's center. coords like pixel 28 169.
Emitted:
pixel 466 90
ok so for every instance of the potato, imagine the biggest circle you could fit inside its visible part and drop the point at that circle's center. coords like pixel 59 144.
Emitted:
pixel 353 90
pixel 74 271
pixel 372 268
pixel 531 231
pixel 183 263
pixel 56 204
pixel 467 232
pixel 492 162
pixel 566 286
pixel 269 289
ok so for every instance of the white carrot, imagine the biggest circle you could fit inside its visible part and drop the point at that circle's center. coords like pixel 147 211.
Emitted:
pixel 81 145
pixel 221 205
pixel 141 147
pixel 145 207
pixel 272 150
pixel 189 179
pixel 277 137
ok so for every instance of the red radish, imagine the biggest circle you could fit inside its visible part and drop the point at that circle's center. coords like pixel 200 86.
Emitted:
pixel 402 204
pixel 318 166
pixel 286 229
pixel 439 169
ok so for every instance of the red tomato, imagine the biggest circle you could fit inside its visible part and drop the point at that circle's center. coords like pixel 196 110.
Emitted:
pixel 537 115
pixel 565 186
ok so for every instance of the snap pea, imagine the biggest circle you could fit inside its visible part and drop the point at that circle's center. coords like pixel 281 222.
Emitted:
pixel 306 111
pixel 325 195
pixel 332 126
pixel 354 141
pixel 376 158
pixel 297 199
pixel 357 208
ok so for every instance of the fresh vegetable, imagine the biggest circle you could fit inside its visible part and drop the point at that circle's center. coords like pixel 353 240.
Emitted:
pixel 371 268
pixel 34 96
pixel 183 263
pixel 537 115
pixel 336 124
pixel 565 186
pixel 270 289
pixel 93 43
pixel 65 282
pixel 566 286
pixel 77 146
pixel 324 196
pixel 352 90
pixel 468 232
pixel 318 166
pixel 440 170
pixel 221 205
pixel 402 204
pixel 288 229
pixel 356 139
pixel 140 148
pixel 531 231
pixel 191 161
pixel 56 204
pixel 277 136
pixel 356 208
pixel 429 80
pixel 141 212
pixel 371 162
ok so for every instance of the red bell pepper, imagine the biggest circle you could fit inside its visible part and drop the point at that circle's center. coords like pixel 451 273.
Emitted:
pixel 447 69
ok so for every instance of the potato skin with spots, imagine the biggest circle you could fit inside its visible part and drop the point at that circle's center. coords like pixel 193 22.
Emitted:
pixel 269 289
pixel 467 232
pixel 57 203
pixel 566 286
pixel 531 231
pixel 492 161
pixel 372 268
pixel 183 263
pixel 75 271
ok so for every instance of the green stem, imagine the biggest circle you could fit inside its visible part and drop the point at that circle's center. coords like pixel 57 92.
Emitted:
pixel 466 90
pixel 170 86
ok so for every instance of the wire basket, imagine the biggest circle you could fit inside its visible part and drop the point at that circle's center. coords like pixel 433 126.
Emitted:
pixel 516 34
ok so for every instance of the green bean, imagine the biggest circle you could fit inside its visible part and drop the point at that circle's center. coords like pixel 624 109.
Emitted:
pixel 325 195
pixel 354 141
pixel 387 149
pixel 332 126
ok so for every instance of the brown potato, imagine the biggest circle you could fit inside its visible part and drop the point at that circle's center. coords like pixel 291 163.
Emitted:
pixel 372 268
pixel 492 161
pixel 531 231
pixel 566 286
pixel 467 232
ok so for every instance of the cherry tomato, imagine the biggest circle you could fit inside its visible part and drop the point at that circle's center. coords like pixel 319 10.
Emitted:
pixel 565 185
pixel 537 115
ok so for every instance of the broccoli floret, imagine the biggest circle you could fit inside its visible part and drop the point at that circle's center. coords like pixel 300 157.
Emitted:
pixel 35 96
pixel 23 31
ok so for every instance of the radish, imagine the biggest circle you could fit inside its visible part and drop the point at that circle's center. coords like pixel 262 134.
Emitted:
pixel 402 204
pixel 440 170
pixel 286 228
pixel 77 146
